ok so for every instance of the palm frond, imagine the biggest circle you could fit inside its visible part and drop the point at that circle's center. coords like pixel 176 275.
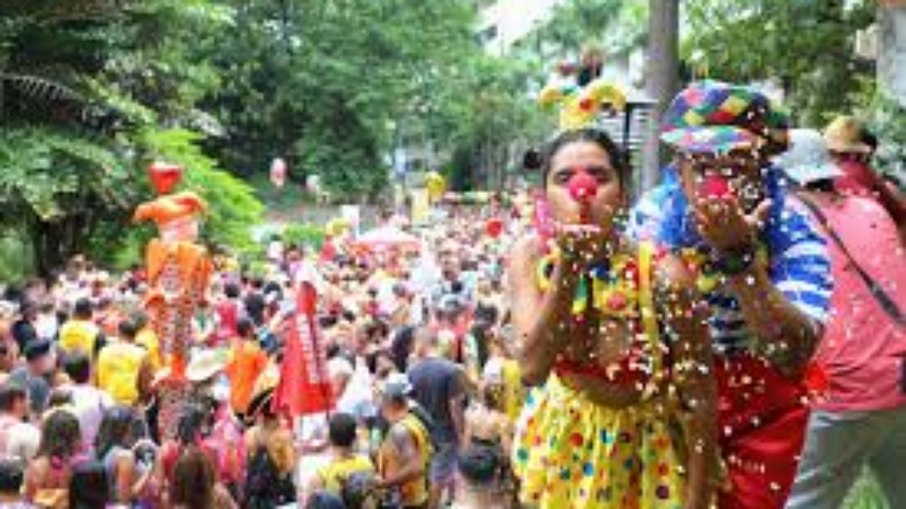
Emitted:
pixel 40 89
pixel 55 10
pixel 45 101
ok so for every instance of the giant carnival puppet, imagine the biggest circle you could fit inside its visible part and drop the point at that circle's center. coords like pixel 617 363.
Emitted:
pixel 178 272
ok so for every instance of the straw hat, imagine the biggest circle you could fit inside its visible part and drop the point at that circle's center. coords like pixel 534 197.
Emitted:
pixel 844 135
pixel 204 365
pixel 263 393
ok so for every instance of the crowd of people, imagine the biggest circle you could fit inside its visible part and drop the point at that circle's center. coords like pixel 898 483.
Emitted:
pixel 81 364
pixel 734 339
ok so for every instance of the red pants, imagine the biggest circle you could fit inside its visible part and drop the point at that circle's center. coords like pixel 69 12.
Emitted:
pixel 762 418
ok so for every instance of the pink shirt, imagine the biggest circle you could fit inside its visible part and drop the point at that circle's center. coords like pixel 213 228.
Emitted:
pixel 863 349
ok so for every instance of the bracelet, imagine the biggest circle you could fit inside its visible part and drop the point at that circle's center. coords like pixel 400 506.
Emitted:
pixel 736 261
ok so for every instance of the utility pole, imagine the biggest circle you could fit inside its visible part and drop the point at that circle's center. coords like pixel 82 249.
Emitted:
pixel 662 76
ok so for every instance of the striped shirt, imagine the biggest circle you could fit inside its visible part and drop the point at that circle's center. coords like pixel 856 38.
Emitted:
pixel 799 264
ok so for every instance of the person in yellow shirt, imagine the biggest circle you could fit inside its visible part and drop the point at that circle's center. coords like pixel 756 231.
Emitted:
pixel 80 333
pixel 124 368
pixel 338 476
pixel 147 339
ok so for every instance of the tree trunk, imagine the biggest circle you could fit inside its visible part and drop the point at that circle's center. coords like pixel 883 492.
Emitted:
pixel 892 49
pixel 54 243
pixel 661 78
pixel 47 247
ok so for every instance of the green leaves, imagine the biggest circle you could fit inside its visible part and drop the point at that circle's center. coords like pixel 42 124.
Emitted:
pixel 42 172
pixel 806 45
pixel 318 82
pixel 232 206
pixel 615 25
pixel 83 89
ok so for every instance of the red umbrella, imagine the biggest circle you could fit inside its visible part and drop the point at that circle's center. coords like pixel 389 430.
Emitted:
pixel 388 237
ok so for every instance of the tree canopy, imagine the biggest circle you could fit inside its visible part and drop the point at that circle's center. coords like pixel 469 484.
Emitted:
pixel 85 87
pixel 804 45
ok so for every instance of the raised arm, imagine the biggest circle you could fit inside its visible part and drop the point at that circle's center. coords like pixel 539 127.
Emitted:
pixel 785 333
pixel 412 465
pixel 786 336
pixel 686 318
pixel 541 320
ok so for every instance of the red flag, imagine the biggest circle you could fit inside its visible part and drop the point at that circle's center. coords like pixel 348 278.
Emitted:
pixel 304 387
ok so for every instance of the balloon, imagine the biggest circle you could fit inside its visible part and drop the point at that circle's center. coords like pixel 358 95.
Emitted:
pixel 164 176
pixel 494 227
pixel 436 185
pixel 278 172
pixel 313 183
pixel 336 227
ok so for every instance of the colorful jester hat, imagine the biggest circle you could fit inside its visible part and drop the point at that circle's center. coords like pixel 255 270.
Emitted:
pixel 580 106
pixel 716 117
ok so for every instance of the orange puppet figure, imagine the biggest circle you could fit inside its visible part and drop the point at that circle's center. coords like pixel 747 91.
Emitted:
pixel 178 270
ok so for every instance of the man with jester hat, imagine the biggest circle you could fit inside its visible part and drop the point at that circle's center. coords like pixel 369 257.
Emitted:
pixel 763 267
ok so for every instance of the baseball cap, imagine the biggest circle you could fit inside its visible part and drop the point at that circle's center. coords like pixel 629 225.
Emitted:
pixel 717 117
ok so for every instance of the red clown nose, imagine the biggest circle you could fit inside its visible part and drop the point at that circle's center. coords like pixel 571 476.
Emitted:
pixel 583 187
pixel 715 186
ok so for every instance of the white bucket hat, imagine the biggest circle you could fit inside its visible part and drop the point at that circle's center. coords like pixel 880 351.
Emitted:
pixel 808 159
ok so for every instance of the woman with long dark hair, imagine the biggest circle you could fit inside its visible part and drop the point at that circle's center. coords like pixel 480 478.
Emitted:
pixel 612 335
pixel 48 474
pixel 195 484
pixel 113 448
pixel 271 455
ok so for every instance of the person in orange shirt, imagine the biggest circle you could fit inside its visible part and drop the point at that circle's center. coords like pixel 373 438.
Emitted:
pixel 247 362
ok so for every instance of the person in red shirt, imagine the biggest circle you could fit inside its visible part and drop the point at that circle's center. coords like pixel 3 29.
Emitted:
pixel 227 313
pixel 860 416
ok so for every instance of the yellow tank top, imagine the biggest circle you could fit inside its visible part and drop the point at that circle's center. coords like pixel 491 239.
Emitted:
pixel 334 474
pixel 414 492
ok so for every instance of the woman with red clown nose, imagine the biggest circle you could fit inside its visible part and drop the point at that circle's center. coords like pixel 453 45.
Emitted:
pixel 613 339
pixel 765 271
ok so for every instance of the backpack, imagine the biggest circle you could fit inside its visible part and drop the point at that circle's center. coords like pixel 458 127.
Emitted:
pixel 358 490
pixel 427 422
pixel 265 488
pixel 89 487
